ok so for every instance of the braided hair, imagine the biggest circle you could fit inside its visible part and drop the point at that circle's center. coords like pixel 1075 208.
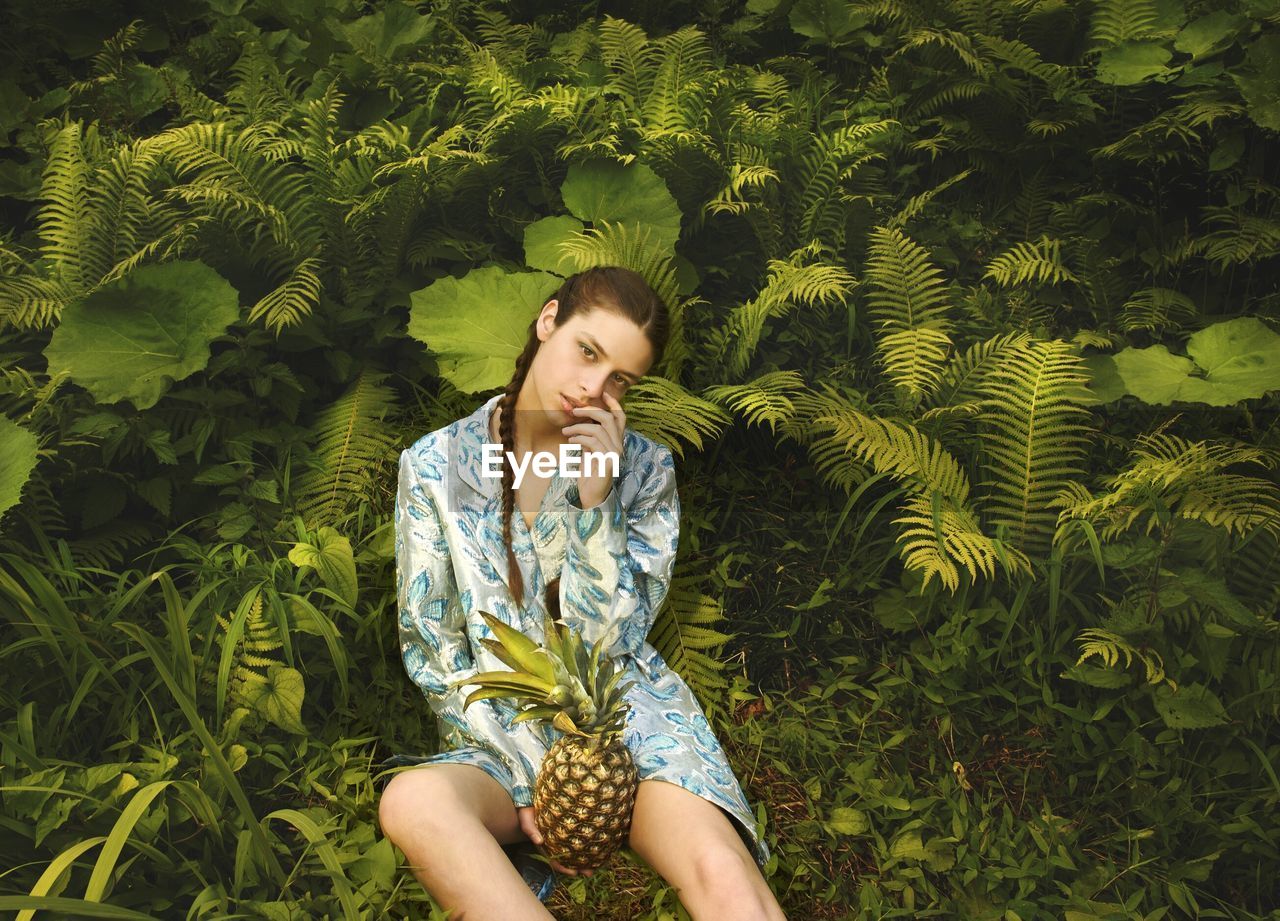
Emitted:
pixel 613 288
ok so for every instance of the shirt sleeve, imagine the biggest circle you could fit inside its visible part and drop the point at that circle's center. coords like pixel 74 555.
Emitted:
pixel 618 561
pixel 434 641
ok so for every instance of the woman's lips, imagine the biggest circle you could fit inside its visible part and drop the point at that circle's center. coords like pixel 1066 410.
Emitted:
pixel 567 405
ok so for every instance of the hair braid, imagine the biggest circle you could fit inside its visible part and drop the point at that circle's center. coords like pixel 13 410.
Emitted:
pixel 507 433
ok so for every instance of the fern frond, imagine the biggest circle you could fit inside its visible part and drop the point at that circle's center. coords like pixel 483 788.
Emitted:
pixel 908 300
pixel 906 290
pixel 66 220
pixel 32 302
pixel 663 410
pixel 1118 21
pixel 354 445
pixel 1156 309
pixel 917 203
pixel 1111 648
pixel 791 282
pixel 898 448
pixel 765 400
pixel 962 377
pixel 292 300
pixel 830 160
pixel 1169 475
pixel 1039 262
pixel 683 60
pixel 683 637
pixel 937 535
pixel 628 245
pixel 630 59
pixel 1035 436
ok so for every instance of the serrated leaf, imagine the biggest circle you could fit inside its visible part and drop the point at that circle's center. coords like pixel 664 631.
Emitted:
pixel 132 338
pixel 17 460
pixel 1192 706
pixel 847 821
pixel 478 324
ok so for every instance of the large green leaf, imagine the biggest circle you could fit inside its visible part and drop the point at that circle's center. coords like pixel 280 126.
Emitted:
pixel 606 191
pixel 477 324
pixel 542 241
pixel 1230 361
pixel 132 338
pixel 332 558
pixel 1133 62
pixel 1192 706
pixel 1209 33
pixel 828 22
pixel 1259 81
pixel 278 697
pixel 17 460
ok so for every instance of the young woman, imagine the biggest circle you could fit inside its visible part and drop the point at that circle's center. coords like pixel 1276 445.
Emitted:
pixel 595 550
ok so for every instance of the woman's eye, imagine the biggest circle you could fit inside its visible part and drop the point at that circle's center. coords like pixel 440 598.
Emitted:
pixel 587 350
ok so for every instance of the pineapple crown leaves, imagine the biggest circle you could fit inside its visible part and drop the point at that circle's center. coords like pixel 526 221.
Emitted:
pixel 575 687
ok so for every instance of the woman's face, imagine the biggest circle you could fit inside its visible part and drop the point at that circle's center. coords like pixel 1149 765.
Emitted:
pixel 592 353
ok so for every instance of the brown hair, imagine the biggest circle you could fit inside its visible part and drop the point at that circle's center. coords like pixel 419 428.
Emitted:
pixel 614 288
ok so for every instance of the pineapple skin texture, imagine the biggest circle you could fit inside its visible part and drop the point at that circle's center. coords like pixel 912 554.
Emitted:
pixel 583 800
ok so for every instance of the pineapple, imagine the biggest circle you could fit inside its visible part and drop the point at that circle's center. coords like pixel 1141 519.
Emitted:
pixel 586 784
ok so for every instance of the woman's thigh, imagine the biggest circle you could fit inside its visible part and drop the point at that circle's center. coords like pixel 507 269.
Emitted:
pixel 685 838
pixel 440 794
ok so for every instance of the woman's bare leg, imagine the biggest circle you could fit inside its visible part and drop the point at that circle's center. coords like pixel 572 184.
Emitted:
pixel 693 845
pixel 450 821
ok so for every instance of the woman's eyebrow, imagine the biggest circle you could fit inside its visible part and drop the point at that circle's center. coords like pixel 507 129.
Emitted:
pixel 603 354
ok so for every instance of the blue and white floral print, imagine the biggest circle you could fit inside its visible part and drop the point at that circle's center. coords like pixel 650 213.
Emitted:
pixel 614 562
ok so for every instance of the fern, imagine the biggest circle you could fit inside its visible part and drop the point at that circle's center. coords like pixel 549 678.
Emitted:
pixel 65 222
pixel 791 282
pixel 962 378
pixel 626 245
pixel 258 639
pixel 684 58
pixel 1156 309
pixel 684 638
pixel 1039 262
pixel 1117 21
pixel 908 300
pixel 353 445
pixel 1034 438
pixel 661 409
pixel 765 400
pixel 1169 477
pixel 291 301
pixel 630 59
pixel 1112 648
pixel 937 534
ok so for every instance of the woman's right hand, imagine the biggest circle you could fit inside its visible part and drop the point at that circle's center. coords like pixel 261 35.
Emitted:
pixel 528 818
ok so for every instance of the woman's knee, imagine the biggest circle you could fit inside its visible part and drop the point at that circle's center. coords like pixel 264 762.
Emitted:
pixel 421 799
pixel 725 876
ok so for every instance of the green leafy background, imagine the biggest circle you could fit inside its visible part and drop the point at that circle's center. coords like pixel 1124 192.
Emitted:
pixel 972 384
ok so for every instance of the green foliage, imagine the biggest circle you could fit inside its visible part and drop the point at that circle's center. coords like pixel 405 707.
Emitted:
pixel 132 338
pixel 982 637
